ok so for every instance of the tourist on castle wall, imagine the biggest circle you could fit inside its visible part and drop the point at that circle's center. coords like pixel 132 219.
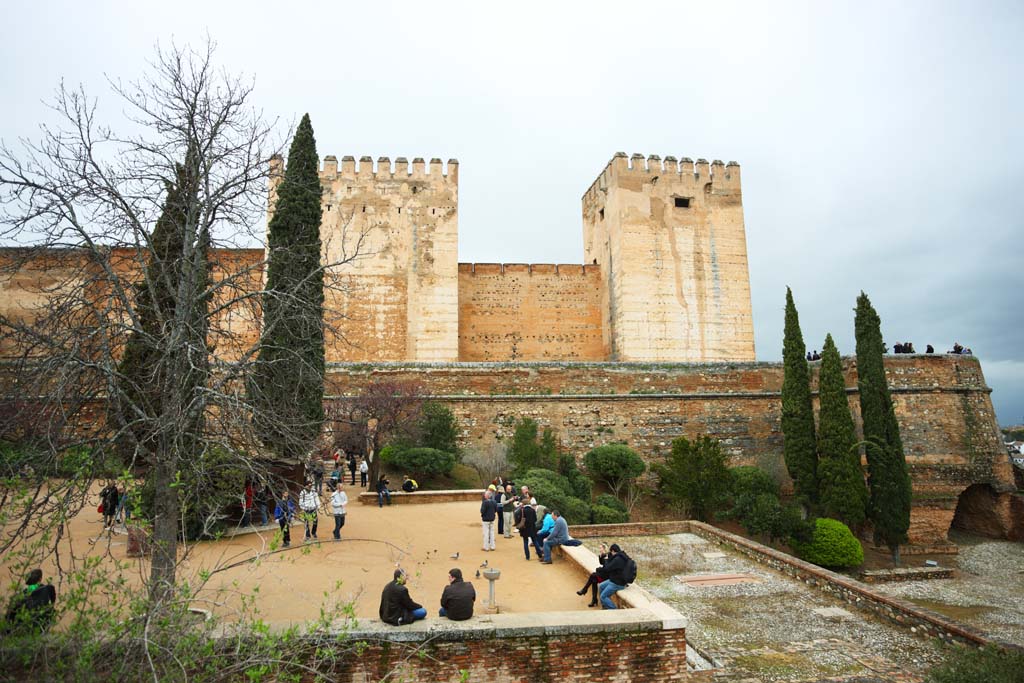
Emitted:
pixel 396 607
pixel 458 597
pixel 364 470
pixel 309 503
pixel 594 579
pixel 338 502
pixel 488 511
pixel 558 536
pixel 508 507
pixel 614 575
pixel 284 511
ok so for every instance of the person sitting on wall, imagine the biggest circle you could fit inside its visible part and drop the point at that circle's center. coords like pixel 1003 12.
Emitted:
pixel 32 609
pixel 547 523
pixel 382 491
pixel 409 485
pixel 594 579
pixel 613 575
pixel 897 348
pixel 458 597
pixel 809 356
pixel 396 607
pixel 559 535
pixel 929 349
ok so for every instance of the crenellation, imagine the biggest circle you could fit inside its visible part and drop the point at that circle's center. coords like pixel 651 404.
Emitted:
pixel 365 167
pixel 348 166
pixel 383 167
pixel 654 164
pixel 419 168
pixel 402 168
pixel 671 165
pixel 702 170
pixel 637 163
pixel 330 167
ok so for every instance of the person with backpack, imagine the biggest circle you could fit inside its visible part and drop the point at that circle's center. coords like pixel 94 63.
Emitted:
pixel 525 518
pixel 618 571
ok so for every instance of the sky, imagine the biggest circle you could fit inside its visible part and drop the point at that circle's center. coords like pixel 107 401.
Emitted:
pixel 880 142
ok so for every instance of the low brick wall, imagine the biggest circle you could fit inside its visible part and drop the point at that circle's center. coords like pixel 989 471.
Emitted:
pixel 898 574
pixel 425 497
pixel 620 645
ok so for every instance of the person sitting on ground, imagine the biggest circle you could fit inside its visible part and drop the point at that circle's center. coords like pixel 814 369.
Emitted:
pixel 409 485
pixel 594 579
pixel 613 575
pixel 458 597
pixel 382 491
pixel 396 607
pixel 336 475
pixel 558 536
pixel 32 609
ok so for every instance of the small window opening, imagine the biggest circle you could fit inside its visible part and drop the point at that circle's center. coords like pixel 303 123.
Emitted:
pixel 399 209
pixel 364 208
pixel 432 212
pixel 601 212
pixel 682 202
pixel 414 189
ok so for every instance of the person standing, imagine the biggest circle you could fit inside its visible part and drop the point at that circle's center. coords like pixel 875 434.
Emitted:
pixel 508 507
pixel 364 470
pixel 458 597
pixel 559 535
pixel 309 503
pixel 262 499
pixel 351 466
pixel 247 504
pixel 396 607
pixel 284 511
pixel 488 511
pixel 109 498
pixel 528 530
pixel 338 502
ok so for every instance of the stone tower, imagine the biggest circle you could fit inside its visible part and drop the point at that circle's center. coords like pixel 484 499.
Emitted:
pixel 396 231
pixel 670 241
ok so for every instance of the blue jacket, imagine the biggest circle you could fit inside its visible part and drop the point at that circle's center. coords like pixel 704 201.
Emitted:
pixel 279 511
pixel 548 524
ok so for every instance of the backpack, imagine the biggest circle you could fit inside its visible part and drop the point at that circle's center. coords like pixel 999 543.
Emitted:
pixel 629 573
pixel 519 518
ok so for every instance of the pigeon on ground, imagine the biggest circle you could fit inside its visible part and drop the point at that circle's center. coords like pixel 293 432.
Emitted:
pixel 484 564
pixel 478 573
pixel 455 556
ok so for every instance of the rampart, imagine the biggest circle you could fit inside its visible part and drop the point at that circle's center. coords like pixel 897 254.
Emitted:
pixel 530 312
pixel 942 402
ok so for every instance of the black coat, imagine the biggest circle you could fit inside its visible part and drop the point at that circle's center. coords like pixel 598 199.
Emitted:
pixel 614 568
pixel 396 606
pixel 530 527
pixel 457 600
pixel 488 510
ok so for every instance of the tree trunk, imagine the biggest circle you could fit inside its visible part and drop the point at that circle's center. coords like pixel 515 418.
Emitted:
pixel 166 515
pixel 895 555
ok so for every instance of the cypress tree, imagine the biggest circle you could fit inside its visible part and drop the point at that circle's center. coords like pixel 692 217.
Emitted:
pixel 842 494
pixel 799 448
pixel 288 382
pixel 888 477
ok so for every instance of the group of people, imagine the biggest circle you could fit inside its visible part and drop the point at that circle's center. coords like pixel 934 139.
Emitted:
pixel 115 505
pixel 308 509
pixel 397 607
pixel 960 350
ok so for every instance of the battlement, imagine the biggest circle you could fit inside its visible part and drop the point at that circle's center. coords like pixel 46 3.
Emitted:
pixel 383 170
pixel 528 268
pixel 722 176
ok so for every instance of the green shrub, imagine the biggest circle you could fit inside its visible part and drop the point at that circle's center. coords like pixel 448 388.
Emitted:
pixel 610 501
pixel 581 485
pixel 833 545
pixel 418 461
pixel 527 452
pixel 749 485
pixel 989 665
pixel 439 429
pixel 555 492
pixel 617 465
pixel 694 477
pixel 606 515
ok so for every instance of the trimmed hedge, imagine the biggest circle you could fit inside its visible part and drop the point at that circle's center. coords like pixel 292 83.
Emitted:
pixel 421 461
pixel 833 545
pixel 606 515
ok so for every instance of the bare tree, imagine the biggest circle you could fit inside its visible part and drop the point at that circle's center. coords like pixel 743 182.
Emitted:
pixel 81 203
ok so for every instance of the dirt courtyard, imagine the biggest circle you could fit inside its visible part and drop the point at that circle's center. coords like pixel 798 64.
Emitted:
pixel 293 584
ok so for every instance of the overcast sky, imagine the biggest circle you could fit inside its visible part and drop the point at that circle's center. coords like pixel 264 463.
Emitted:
pixel 881 143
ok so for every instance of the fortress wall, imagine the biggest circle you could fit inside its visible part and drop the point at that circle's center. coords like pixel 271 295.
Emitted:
pixel 946 417
pixel 390 239
pixel 511 312
pixel 676 276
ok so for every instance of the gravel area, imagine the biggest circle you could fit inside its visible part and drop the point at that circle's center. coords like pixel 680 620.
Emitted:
pixel 767 630
pixel 987 591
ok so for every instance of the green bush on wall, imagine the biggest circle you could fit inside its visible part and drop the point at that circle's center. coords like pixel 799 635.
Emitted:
pixel 833 545
pixel 606 515
pixel 609 501
pixel 419 461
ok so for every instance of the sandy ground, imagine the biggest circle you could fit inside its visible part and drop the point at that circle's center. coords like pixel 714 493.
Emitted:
pixel 293 585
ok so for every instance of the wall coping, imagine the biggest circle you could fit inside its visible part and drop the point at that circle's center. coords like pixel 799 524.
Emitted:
pixel 424 497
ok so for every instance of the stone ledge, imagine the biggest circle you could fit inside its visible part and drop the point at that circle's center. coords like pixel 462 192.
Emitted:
pixel 425 497
pixel 905 574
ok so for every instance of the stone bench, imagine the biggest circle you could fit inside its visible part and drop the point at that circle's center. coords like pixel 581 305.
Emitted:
pixel 425 497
